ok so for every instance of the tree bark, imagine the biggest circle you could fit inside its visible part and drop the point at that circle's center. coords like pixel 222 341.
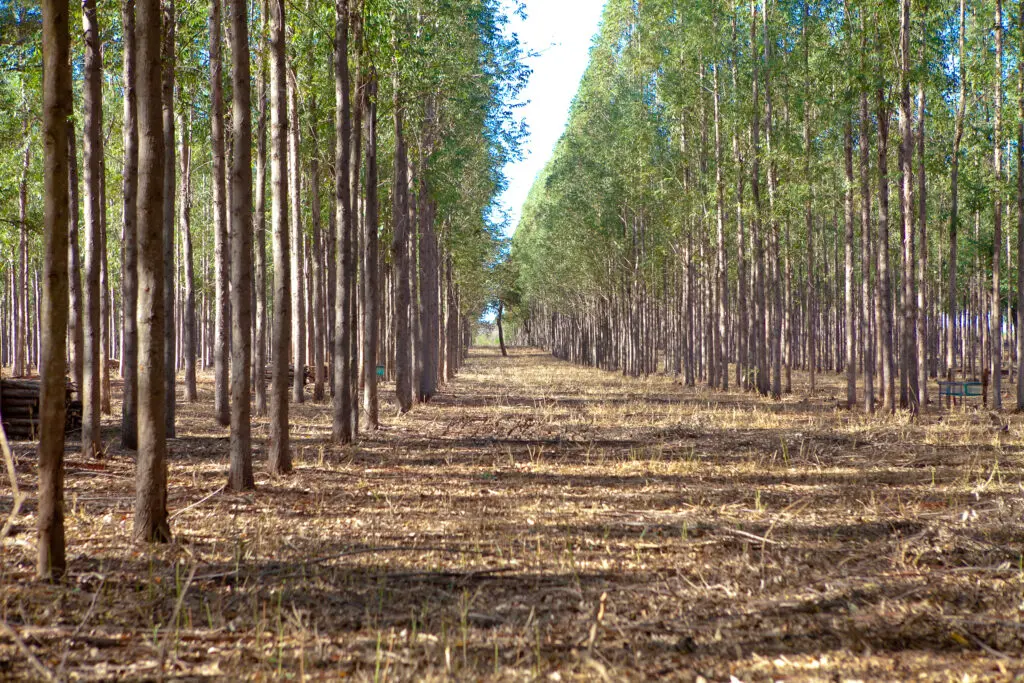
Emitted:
pixel 57 103
pixel 867 257
pixel 1020 223
pixel 260 279
pixel 241 475
pixel 151 523
pixel 342 423
pixel 954 202
pixel 280 461
pixel 298 262
pixel 908 328
pixel 92 444
pixel 188 321
pixel 995 318
pixel 849 312
pixel 371 276
pixel 76 327
pixel 222 322
pixel 317 311
pixel 501 331
pixel 170 358
pixel 884 312
pixel 129 274
pixel 400 255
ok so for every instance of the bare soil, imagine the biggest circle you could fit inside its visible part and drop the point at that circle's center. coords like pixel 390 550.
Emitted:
pixel 543 521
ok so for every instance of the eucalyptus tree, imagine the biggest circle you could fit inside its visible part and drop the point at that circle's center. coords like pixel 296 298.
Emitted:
pixel 57 105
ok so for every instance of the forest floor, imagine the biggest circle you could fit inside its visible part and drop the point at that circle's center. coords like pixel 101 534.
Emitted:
pixel 539 521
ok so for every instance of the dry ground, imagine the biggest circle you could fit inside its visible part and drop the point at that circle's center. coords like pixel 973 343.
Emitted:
pixel 542 521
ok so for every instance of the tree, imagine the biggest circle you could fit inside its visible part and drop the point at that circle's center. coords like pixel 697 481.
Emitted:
pixel 279 456
pixel 222 323
pixel 400 257
pixel 241 475
pixel 151 523
pixel 167 100
pixel 129 191
pixel 345 276
pixel 92 446
pixel 56 134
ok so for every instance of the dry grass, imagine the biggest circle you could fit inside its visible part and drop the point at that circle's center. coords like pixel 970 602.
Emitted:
pixel 539 520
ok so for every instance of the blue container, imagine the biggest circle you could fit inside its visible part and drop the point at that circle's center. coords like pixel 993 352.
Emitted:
pixel 380 370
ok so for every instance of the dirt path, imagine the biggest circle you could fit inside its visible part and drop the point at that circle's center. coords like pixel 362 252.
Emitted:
pixel 542 520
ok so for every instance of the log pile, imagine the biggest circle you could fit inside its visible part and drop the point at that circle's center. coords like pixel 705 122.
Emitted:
pixel 19 409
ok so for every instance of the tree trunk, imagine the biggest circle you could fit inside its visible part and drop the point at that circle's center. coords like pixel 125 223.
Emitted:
pixel 280 461
pixel 76 322
pixel 188 321
pixel 21 280
pixel 170 359
pixel 400 254
pixel 129 273
pixel 371 276
pixel 995 318
pixel 92 444
pixel 867 257
pixel 501 331
pixel 884 312
pixel 151 523
pixel 922 251
pixel 57 105
pixel 241 475
pixel 222 322
pixel 297 265
pixel 908 327
pixel 1020 226
pixel 261 225
pixel 849 312
pixel 317 311
pixel 342 423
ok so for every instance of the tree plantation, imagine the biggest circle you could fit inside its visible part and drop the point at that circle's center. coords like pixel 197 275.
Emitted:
pixel 285 394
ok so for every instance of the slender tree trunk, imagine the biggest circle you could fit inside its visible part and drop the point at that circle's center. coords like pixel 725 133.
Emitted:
pixel 501 331
pixel 317 312
pixel 104 292
pixel 261 225
pixel 849 312
pixel 922 251
pixel 129 274
pixel 151 523
pixel 342 424
pixel 298 262
pixel 867 257
pixel 996 319
pixel 57 103
pixel 721 265
pixel 370 279
pixel 756 223
pixel 241 475
pixel 1020 223
pixel 92 444
pixel 188 321
pixel 908 328
pixel 280 461
pixel 400 254
pixel 954 203
pixel 76 324
pixel 21 287
pixel 170 358
pixel 884 299
pixel 222 322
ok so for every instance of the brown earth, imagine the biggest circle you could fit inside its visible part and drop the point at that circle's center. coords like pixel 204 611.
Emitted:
pixel 542 521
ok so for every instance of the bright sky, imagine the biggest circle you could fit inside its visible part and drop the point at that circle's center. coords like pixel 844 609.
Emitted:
pixel 560 31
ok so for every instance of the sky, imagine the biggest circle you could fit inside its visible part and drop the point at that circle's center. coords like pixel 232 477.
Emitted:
pixel 560 32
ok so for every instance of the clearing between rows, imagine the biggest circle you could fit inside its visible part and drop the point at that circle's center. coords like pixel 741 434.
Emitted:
pixel 543 521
